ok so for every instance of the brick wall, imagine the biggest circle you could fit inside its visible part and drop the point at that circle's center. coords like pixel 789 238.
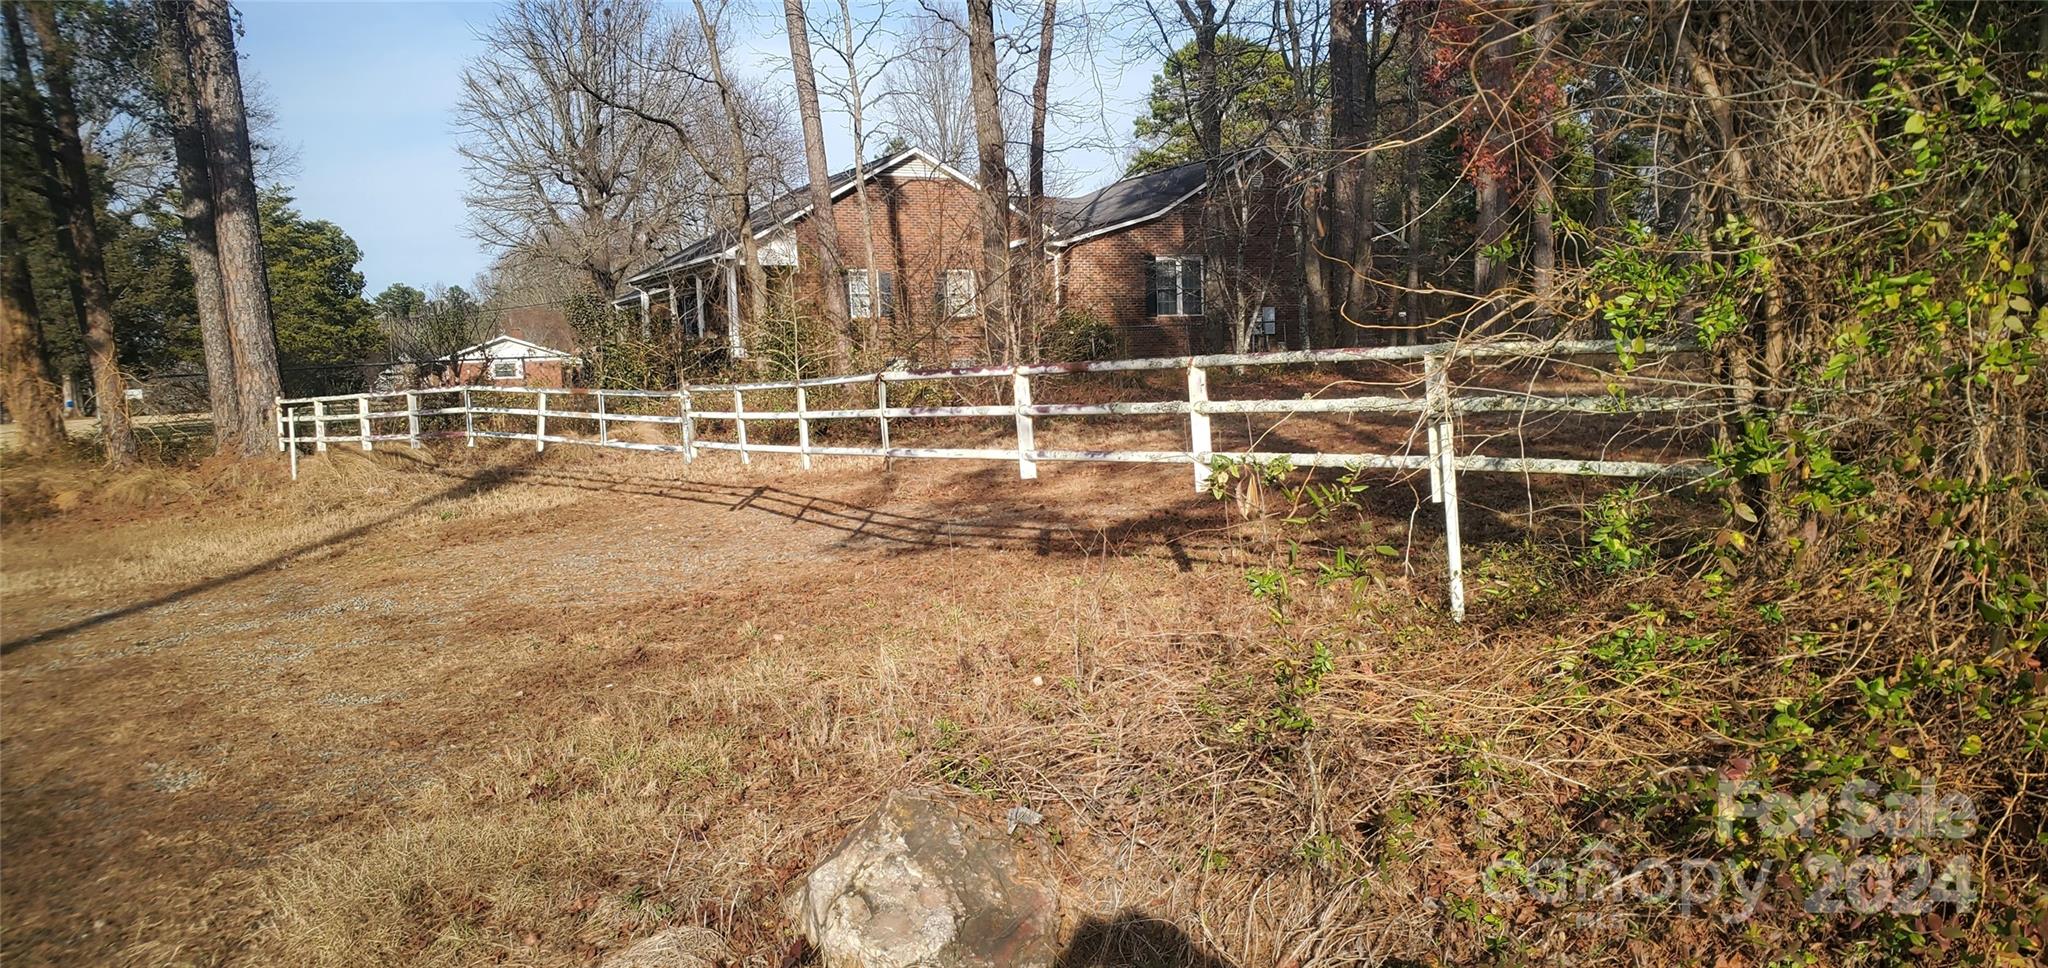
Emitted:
pixel 921 227
pixel 925 225
pixel 539 373
pixel 1110 276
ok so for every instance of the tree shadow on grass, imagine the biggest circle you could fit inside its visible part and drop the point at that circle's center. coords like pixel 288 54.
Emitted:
pixel 469 486
pixel 1132 939
pixel 1045 533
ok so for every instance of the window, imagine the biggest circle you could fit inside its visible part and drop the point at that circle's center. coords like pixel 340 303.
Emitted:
pixel 956 293
pixel 1177 286
pixel 507 369
pixel 860 301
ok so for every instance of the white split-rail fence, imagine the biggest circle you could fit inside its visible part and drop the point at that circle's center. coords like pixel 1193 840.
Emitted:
pixel 1438 407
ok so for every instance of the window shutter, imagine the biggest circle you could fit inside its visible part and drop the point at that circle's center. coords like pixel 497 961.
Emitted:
pixel 1191 286
pixel 1160 300
pixel 888 294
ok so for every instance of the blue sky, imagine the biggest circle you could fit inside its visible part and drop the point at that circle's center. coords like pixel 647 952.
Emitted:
pixel 363 94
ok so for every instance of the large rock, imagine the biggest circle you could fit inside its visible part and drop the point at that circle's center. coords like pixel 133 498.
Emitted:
pixel 919 883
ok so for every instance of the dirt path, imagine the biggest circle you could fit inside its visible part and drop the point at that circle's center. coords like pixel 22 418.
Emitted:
pixel 193 694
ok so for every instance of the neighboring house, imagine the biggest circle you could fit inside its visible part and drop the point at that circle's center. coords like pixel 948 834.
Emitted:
pixel 1128 255
pixel 919 294
pixel 1131 256
pixel 511 361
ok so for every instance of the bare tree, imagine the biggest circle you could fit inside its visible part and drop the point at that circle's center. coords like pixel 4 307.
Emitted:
pixel 850 45
pixel 558 167
pixel 196 215
pixel 995 180
pixel 822 222
pixel 738 180
pixel 927 99
pixel 31 386
pixel 70 195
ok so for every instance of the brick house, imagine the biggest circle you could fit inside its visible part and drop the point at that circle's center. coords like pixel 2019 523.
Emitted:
pixel 1127 255
pixel 508 360
pixel 1131 255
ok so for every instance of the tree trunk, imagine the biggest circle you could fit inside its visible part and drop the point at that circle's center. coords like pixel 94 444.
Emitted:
pixel 741 181
pixel 1041 87
pixel 1354 95
pixel 31 387
pixel 1543 195
pixel 245 283
pixel 995 180
pixel 826 229
pixel 1308 222
pixel 1417 329
pixel 1489 259
pixel 72 193
pixel 1599 147
pixel 195 212
pixel 1219 328
pixel 1039 301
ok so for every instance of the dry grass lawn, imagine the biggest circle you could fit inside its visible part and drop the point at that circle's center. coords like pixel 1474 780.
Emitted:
pixel 465 708
pixel 421 710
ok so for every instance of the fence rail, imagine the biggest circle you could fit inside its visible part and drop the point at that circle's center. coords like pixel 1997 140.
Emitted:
pixel 1437 409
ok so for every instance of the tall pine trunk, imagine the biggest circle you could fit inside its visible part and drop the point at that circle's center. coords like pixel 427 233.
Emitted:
pixel 1543 192
pixel 71 200
pixel 824 226
pixel 195 213
pixel 245 283
pixel 995 180
pixel 1354 95
pixel 31 387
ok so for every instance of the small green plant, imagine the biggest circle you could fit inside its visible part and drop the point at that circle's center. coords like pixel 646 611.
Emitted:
pixel 1617 520
pixel 1318 850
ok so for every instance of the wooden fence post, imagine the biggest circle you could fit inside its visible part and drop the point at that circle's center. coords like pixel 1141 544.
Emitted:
pixel 604 434
pixel 540 422
pixel 319 426
pixel 277 407
pixel 1201 443
pixel 1432 428
pixel 292 447
pixel 1027 442
pixel 363 419
pixel 739 420
pixel 468 419
pixel 803 428
pixel 1442 413
pixel 688 425
pixel 412 419
pixel 882 412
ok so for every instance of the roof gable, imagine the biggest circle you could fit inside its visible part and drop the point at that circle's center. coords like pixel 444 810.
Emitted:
pixel 533 350
pixel 786 208
pixel 1136 200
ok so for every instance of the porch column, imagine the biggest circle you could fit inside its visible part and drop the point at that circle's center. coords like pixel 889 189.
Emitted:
pixel 646 311
pixel 697 321
pixel 732 313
